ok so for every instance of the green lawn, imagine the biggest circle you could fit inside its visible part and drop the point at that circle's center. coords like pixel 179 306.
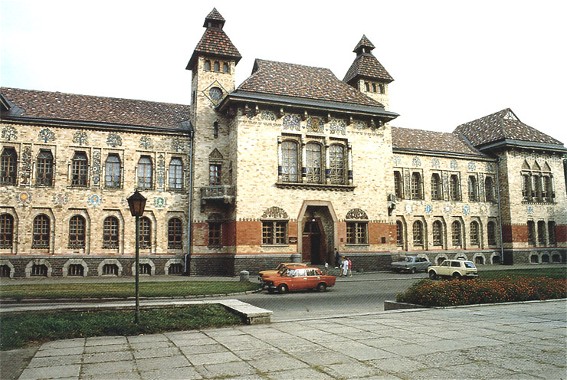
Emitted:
pixel 551 272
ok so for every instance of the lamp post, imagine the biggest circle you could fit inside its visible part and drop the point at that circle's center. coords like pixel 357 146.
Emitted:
pixel 137 204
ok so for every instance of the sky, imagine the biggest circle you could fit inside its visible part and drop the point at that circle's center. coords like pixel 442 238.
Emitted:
pixel 452 61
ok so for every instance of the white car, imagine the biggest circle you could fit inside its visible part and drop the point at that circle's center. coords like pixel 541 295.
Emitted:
pixel 453 269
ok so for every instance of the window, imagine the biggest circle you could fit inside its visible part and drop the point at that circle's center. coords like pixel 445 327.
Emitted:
pixel 174 233
pixel 41 231
pixel 145 173
pixel 216 66
pixel 398 185
pixel 416 186
pixel 145 238
pixel 313 163
pixel 536 188
pixel 44 168
pixel 112 172
pixel 110 270
pixel 337 161
pixel 274 232
pixel 207 65
pixel 215 234
pixel 77 229
pixel 436 187
pixel 491 232
pixel 399 233
pixel 456 234
pixel 225 68
pixel 175 268
pixel 8 166
pixel 176 174
pixel 290 167
pixel 489 189
pixel 367 86
pixel 547 192
pixel 418 233
pixel 76 270
pixel 455 188
pixel 473 189
pixel 437 233
pixel 214 174
pixel 79 170
pixel 551 233
pixel 6 231
pixel 39 270
pixel 382 88
pixel 110 234
pixel 474 233
pixel 357 232
pixel 531 233
pixel 526 187
pixel 541 233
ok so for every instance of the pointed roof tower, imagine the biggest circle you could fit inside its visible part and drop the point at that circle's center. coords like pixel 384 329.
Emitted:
pixel 366 65
pixel 214 41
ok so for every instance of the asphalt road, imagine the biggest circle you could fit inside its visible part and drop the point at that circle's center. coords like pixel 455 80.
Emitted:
pixel 362 293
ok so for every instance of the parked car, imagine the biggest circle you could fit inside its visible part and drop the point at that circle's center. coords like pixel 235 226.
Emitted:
pixel 453 269
pixel 279 269
pixel 411 264
pixel 298 278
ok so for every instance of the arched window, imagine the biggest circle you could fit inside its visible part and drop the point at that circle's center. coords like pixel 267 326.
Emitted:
pixel 491 232
pixel 531 233
pixel 473 189
pixel 437 233
pixel 225 68
pixel 110 234
pixel 398 184
pixel 455 188
pixel 207 65
pixel 416 186
pixel 436 187
pixel 79 170
pixel 541 233
pixel 216 66
pixel 112 172
pixel 176 174
pixel 526 187
pixel 313 163
pixel 456 234
pixel 44 168
pixel 41 231
pixel 418 233
pixel 551 233
pixel 145 232
pixel 174 233
pixel 474 233
pixel 399 233
pixel 77 232
pixel 337 159
pixel 290 159
pixel 489 189
pixel 8 166
pixel 6 231
pixel 145 172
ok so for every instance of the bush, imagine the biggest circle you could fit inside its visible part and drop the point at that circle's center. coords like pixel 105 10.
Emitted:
pixel 468 292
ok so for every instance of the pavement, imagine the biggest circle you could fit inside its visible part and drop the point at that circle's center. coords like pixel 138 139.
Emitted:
pixel 526 340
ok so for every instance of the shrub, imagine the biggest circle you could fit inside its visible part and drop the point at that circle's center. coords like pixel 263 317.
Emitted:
pixel 477 291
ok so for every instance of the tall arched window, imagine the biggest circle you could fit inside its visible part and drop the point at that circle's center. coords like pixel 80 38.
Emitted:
pixel 145 172
pixel 456 234
pixel 437 233
pixel 77 232
pixel 416 186
pixel 489 189
pixel 112 172
pixel 207 65
pixel 337 159
pixel 541 233
pixel 455 187
pixel 79 170
pixel 6 231
pixel 225 68
pixel 436 187
pixel 398 184
pixel 174 233
pixel 473 189
pixel 474 233
pixel 176 174
pixel 110 234
pixel 44 168
pixel 491 232
pixel 418 233
pixel 41 231
pixel 399 233
pixel 290 159
pixel 313 163
pixel 8 166
pixel 145 232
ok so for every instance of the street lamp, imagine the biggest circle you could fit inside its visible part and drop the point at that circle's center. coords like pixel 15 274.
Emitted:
pixel 137 204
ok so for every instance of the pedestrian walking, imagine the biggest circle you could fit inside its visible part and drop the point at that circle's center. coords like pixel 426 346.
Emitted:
pixel 344 267
pixel 349 267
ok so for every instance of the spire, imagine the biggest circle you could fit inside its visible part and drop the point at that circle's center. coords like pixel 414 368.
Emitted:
pixel 366 65
pixel 214 42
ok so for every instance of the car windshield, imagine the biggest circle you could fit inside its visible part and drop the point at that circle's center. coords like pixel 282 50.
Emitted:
pixel 469 264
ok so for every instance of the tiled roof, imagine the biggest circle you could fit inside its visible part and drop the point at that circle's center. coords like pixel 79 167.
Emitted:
pixel 286 79
pixel 366 65
pixel 57 106
pixel 430 141
pixel 502 125
pixel 214 41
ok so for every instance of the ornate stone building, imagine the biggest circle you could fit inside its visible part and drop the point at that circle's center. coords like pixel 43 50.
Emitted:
pixel 287 166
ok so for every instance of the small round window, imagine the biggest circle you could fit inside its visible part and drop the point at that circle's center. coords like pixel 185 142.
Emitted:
pixel 215 93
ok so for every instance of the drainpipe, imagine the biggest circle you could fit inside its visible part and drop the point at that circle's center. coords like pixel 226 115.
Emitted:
pixel 499 210
pixel 190 208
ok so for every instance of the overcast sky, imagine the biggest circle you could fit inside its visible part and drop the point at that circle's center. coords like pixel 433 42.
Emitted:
pixel 452 61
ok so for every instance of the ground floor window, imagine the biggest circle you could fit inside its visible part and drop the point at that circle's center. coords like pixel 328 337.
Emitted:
pixel 357 232
pixel 274 232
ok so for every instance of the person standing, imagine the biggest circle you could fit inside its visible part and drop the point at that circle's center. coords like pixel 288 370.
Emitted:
pixel 337 259
pixel 344 267
pixel 349 267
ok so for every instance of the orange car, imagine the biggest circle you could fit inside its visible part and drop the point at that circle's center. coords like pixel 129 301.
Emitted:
pixel 294 279
pixel 280 268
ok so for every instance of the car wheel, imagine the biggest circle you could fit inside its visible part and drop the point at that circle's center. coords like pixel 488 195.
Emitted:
pixel 322 287
pixel 432 275
pixel 282 288
pixel 413 270
pixel 457 276
pixel 270 290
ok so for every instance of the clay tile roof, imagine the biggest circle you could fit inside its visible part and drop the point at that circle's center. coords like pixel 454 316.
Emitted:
pixel 57 106
pixel 364 42
pixel 430 141
pixel 366 65
pixel 214 15
pixel 502 125
pixel 286 79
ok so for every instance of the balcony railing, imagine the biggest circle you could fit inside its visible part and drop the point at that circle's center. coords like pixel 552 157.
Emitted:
pixel 222 193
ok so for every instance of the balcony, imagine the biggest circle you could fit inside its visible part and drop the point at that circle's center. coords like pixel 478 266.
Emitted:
pixel 221 193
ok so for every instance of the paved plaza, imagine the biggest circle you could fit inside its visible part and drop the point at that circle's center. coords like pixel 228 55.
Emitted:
pixel 505 341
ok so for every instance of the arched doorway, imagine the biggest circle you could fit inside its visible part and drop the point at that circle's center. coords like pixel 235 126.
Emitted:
pixel 318 224
pixel 312 242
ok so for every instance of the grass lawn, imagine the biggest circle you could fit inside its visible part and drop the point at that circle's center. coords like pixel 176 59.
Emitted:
pixel 541 271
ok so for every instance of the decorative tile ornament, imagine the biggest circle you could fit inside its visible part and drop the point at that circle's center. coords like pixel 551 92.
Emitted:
pixel 146 142
pixel 159 202
pixel 454 165
pixel 24 198
pixel 447 209
pixel 268 115
pixel 409 209
pixel 337 127
pixel 81 138
pixel 275 212
pixel 177 144
pixel 292 122
pixel 60 199
pixel 114 140
pixel 94 200
pixel 435 163
pixel 472 166
pixel 397 160
pixel 530 210
pixel 466 209
pixel 46 135
pixel 160 171
pixel 428 209
pixel 26 168
pixel 416 162
pixel 315 124
pixel 96 167
pixel 356 213
pixel 9 133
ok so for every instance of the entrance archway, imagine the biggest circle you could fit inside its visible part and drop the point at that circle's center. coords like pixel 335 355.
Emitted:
pixel 317 223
